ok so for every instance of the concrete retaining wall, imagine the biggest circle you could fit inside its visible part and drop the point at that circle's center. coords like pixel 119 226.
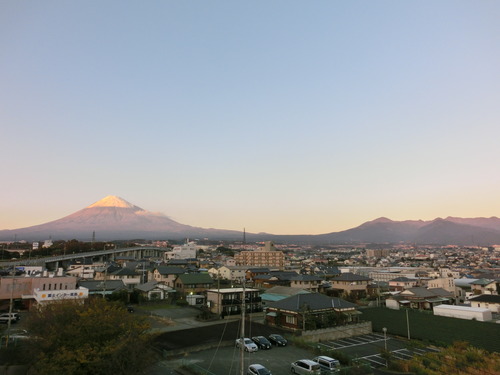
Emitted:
pixel 336 333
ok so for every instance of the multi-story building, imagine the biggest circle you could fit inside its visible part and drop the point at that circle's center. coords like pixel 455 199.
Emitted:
pixel 266 256
pixel 166 274
pixel 186 251
pixel 350 283
pixel 192 283
pixel 26 292
pixel 229 301
pixel 308 282
pixel 378 253
pixel 402 283
pixel 233 273
pixel 447 283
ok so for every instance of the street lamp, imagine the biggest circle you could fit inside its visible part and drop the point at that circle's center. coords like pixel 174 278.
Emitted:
pixel 385 337
pixel 385 344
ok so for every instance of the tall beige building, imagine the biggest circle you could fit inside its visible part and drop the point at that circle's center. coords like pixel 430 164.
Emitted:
pixel 266 256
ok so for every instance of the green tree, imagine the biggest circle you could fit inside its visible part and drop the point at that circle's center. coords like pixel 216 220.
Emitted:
pixel 96 337
pixel 225 250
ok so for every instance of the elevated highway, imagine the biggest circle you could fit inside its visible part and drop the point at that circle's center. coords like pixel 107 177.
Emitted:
pixel 54 262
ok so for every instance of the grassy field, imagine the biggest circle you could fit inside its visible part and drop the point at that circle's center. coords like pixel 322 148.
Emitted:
pixel 437 330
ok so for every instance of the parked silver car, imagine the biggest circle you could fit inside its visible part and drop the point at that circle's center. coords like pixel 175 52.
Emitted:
pixel 247 344
pixel 257 369
pixel 305 367
pixel 328 365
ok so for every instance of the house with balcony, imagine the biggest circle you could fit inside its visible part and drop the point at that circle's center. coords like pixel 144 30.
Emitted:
pixel 484 286
pixel 308 282
pixel 129 277
pixel 253 272
pixel 229 301
pixel 349 283
pixel 165 274
pixel 402 283
pixel 192 283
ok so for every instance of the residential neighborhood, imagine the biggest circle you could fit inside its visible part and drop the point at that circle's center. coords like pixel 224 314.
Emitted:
pixel 317 293
pixel 397 277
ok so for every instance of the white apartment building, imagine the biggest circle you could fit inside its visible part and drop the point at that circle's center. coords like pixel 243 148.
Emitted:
pixel 186 251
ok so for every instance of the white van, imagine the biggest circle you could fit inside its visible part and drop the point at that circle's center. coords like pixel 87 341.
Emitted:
pixel 328 364
pixel 305 367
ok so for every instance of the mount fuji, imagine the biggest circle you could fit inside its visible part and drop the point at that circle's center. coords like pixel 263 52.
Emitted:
pixel 113 218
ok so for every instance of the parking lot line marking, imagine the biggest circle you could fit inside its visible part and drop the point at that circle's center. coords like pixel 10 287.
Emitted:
pixel 358 344
pixel 370 358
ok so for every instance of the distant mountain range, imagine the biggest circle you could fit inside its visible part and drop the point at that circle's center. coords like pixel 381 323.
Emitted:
pixel 113 218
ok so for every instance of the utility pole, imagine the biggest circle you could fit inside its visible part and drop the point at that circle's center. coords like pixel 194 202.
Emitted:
pixel 408 323
pixel 242 346
pixel 10 307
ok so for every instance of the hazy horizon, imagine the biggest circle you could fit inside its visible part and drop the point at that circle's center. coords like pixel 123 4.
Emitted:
pixel 278 117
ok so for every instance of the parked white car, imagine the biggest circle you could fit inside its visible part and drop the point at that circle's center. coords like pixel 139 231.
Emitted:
pixel 257 369
pixel 247 344
pixel 13 317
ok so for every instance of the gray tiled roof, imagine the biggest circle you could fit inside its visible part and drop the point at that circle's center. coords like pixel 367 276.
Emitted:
pixel 170 270
pixel 195 278
pixel 314 301
pixel 490 298
pixel 305 278
pixel 101 285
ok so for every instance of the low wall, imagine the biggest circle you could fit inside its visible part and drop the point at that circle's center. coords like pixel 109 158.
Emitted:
pixel 336 333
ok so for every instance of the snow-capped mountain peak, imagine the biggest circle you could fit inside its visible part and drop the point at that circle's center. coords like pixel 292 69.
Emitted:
pixel 112 201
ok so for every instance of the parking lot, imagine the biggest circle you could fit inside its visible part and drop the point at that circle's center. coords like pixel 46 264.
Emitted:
pixel 226 360
pixel 369 347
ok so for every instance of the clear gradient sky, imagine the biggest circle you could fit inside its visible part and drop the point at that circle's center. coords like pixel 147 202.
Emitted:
pixel 286 117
